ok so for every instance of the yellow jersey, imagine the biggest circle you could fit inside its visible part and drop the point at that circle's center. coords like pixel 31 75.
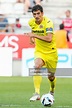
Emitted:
pixel 42 29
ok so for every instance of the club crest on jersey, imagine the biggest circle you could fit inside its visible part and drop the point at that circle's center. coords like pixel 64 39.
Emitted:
pixel 41 26
pixel 49 29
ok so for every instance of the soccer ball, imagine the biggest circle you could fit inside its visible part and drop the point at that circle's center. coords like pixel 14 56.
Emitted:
pixel 47 100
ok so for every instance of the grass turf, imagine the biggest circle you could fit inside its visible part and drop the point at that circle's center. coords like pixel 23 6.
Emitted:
pixel 16 91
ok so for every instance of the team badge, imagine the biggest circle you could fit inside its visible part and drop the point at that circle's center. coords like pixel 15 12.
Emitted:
pixel 41 26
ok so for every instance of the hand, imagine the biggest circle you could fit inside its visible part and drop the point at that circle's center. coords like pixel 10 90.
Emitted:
pixel 32 40
pixel 31 35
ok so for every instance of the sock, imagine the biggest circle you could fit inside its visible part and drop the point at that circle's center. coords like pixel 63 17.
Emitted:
pixel 37 82
pixel 52 85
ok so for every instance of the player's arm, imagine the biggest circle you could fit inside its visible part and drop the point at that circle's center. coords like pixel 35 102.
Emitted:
pixel 47 38
pixel 32 40
pixel 48 30
pixel 49 33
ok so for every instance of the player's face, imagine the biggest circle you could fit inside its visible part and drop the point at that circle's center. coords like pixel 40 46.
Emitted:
pixel 67 14
pixel 38 15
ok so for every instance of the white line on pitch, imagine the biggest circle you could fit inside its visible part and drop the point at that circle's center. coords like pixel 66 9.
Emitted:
pixel 12 105
pixel 63 106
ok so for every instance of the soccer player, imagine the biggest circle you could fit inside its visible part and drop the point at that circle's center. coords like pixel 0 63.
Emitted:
pixel 45 49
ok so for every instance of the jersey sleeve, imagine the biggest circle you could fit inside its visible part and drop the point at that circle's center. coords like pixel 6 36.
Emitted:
pixel 49 27
pixel 30 22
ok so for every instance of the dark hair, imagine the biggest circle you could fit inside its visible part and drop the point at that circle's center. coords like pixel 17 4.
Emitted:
pixel 17 19
pixel 37 7
pixel 61 26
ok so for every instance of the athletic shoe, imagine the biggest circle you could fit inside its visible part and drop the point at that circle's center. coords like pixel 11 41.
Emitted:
pixel 35 97
pixel 52 93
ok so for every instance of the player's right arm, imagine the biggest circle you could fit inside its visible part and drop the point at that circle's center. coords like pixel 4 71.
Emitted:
pixel 32 40
pixel 49 32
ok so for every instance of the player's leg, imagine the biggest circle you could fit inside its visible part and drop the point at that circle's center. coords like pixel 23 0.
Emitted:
pixel 37 80
pixel 52 80
pixel 52 64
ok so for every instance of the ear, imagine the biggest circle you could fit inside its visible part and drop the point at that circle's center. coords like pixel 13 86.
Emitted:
pixel 42 13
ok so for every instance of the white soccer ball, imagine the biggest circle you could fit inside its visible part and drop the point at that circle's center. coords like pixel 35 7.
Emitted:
pixel 47 99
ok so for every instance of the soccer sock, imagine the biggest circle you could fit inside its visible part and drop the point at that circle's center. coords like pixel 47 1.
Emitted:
pixel 37 82
pixel 52 85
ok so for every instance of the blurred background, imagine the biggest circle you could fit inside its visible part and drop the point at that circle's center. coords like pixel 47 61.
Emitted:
pixel 14 16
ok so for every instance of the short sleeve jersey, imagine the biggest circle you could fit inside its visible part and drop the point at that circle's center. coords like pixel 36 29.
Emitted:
pixel 45 27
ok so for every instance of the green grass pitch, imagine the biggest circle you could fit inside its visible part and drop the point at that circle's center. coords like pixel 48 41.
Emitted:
pixel 16 91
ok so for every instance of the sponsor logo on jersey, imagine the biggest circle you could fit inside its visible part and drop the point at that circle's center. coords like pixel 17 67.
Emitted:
pixel 38 31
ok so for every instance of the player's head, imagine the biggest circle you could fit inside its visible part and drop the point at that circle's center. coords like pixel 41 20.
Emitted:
pixel 68 13
pixel 37 11
pixel 61 26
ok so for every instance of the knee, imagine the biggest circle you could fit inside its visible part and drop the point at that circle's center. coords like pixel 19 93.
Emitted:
pixel 37 66
pixel 39 63
pixel 51 76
